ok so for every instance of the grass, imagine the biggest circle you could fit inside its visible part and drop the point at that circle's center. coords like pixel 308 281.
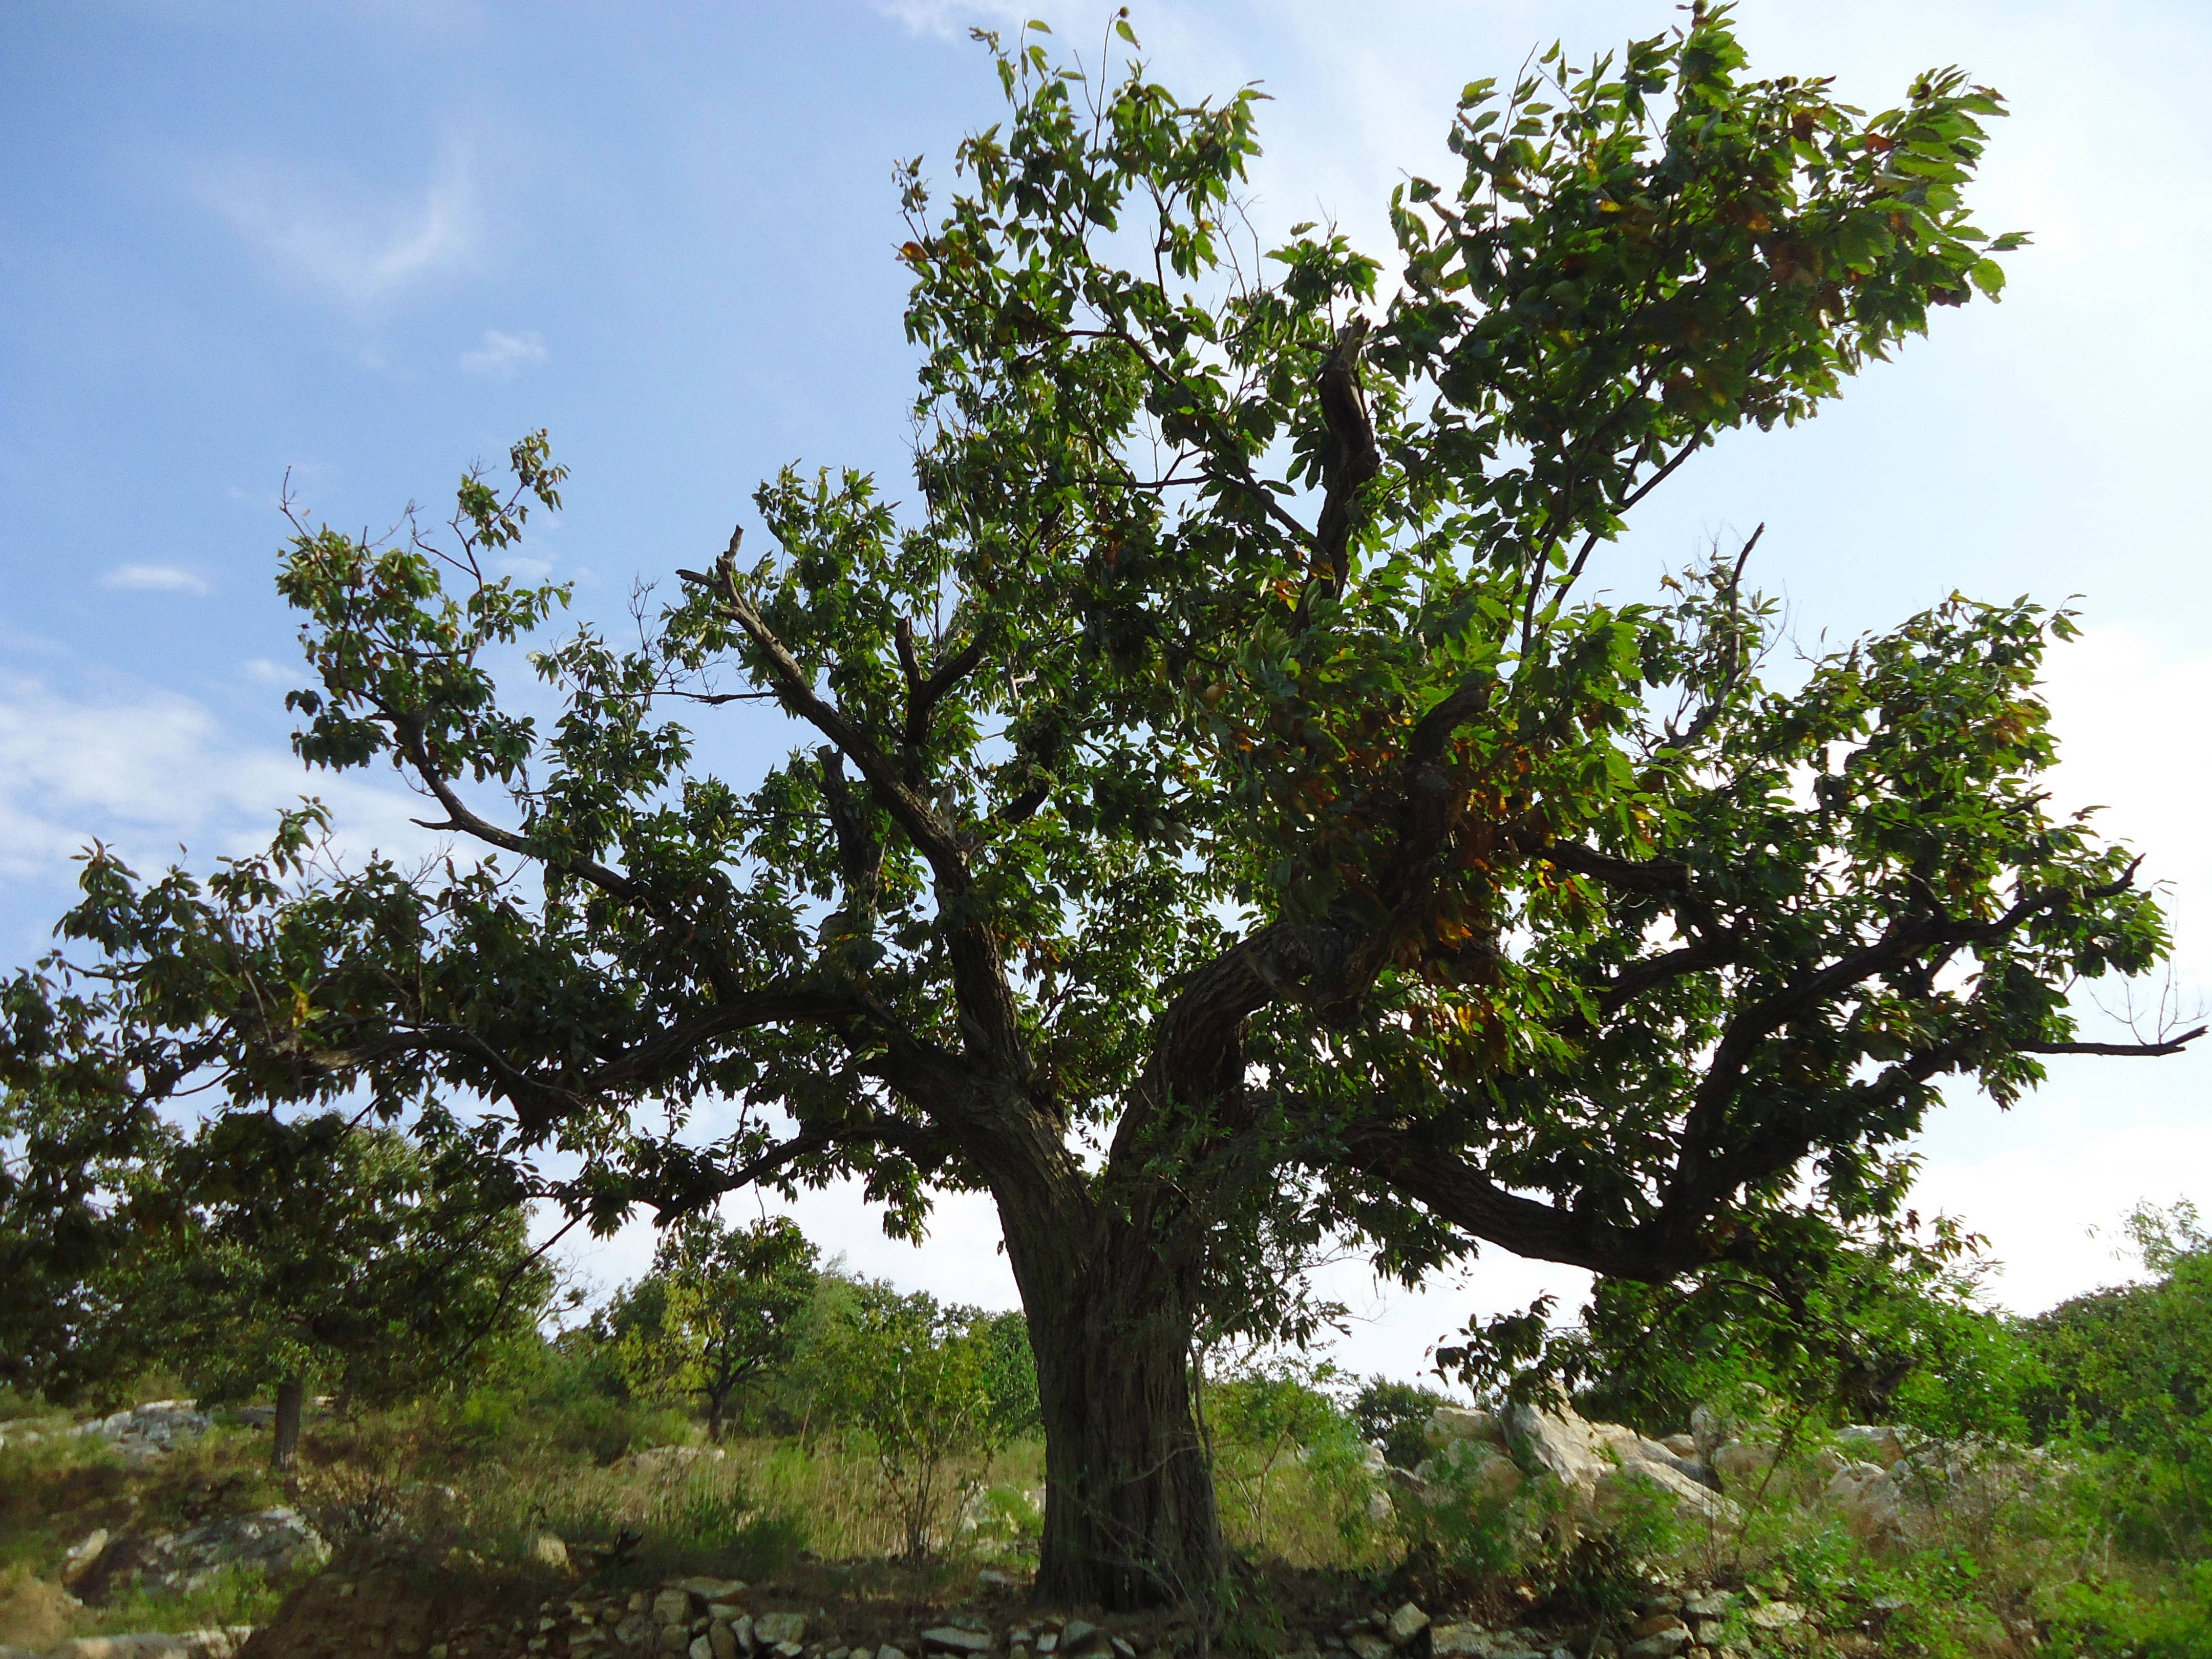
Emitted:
pixel 2010 1563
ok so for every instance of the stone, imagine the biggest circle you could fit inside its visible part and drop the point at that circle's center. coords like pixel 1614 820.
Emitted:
pixel 1472 1470
pixel 1604 1467
pixel 672 1607
pixel 715 1590
pixel 991 1582
pixel 951 1639
pixel 1655 1624
pixel 1458 1641
pixel 273 1542
pixel 1123 1648
pixel 212 1644
pixel 1367 1645
pixel 1742 1465
pixel 665 1460
pixel 1866 1495
pixel 1074 1634
pixel 1660 1644
pixel 887 1651
pixel 1618 1488
pixel 1776 1615
pixel 702 1648
pixel 1449 1424
pixel 1404 1625
pixel 1712 1604
pixel 674 1638
pixel 547 1550
pixel 1881 1443
pixel 721 1640
pixel 82 1554
pixel 1683 1446
pixel 728 1611
pixel 773 1630
pixel 1048 1640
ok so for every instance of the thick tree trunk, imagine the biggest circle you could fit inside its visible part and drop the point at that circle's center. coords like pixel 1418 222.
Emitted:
pixel 1130 1519
pixel 284 1449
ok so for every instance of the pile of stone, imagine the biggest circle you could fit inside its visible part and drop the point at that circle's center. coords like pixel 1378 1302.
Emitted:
pixel 141 1434
pixel 223 1641
pixel 1879 1478
pixel 274 1543
pixel 717 1618
pixel 1602 1468
pixel 709 1619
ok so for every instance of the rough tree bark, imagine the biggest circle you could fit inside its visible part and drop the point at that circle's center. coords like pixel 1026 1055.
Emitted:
pixel 1130 1518
pixel 284 1444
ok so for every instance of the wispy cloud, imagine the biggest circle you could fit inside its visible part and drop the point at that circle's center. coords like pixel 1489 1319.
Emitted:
pixel 152 578
pixel 949 17
pixel 503 355
pixel 142 770
pixel 358 248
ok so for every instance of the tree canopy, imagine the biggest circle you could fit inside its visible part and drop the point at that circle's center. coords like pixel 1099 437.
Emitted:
pixel 1226 817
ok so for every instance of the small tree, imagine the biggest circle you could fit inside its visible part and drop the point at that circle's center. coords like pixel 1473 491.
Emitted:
pixel 288 1256
pixel 911 1382
pixel 721 1309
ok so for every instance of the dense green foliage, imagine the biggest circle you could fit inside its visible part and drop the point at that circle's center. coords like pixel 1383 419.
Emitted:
pixel 2128 1380
pixel 253 1249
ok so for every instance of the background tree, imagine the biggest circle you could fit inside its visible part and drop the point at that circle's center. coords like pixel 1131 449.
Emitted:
pixel 720 1310
pixel 912 1381
pixel 1228 820
pixel 294 1256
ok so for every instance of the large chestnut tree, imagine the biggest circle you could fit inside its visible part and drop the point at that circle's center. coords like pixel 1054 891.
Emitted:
pixel 1226 819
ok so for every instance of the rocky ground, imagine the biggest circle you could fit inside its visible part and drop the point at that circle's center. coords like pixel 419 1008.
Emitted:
pixel 400 1597
pixel 405 1610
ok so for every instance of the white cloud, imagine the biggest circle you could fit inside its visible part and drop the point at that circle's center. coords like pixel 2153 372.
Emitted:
pixel 946 18
pixel 152 578
pixel 145 770
pixel 503 355
pixel 358 248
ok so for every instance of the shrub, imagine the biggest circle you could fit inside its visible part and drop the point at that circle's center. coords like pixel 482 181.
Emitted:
pixel 1394 1415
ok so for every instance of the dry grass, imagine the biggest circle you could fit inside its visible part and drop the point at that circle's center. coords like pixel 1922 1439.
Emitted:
pixel 34 1614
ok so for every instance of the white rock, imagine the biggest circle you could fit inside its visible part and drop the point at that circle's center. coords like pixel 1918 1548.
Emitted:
pixel 1603 1466
pixel 773 1630
pixel 1408 1622
pixel 1447 1423
pixel 547 1550
pixel 1868 1499
pixel 951 1639
pixel 1473 1469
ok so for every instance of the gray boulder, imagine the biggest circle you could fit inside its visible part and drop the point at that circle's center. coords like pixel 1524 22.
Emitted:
pixel 274 1543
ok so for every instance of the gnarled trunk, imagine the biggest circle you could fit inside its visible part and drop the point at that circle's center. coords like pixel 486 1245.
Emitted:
pixel 1130 1518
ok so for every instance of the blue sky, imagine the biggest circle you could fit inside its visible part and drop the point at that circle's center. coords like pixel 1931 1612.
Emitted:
pixel 368 241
